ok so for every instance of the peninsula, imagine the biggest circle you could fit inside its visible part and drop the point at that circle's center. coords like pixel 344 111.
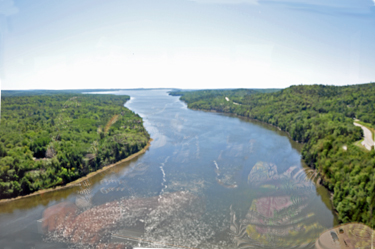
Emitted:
pixel 49 139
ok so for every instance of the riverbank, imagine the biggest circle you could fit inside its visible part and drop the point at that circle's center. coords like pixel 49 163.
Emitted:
pixel 252 119
pixel 78 182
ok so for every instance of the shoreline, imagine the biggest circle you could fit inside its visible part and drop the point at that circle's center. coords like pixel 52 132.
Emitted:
pixel 322 181
pixel 254 119
pixel 77 182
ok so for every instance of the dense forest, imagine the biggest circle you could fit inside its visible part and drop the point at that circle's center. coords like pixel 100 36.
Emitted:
pixel 320 117
pixel 50 139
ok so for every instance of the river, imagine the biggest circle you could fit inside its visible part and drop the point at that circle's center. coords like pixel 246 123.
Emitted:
pixel 208 180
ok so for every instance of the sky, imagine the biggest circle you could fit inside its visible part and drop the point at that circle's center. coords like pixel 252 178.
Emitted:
pixel 189 44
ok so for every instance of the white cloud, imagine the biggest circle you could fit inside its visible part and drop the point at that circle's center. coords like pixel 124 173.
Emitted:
pixel 7 8
pixel 226 1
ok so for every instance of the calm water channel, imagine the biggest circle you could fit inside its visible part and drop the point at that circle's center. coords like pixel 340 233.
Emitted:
pixel 207 181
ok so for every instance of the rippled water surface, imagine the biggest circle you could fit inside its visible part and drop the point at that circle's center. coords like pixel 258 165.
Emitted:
pixel 207 181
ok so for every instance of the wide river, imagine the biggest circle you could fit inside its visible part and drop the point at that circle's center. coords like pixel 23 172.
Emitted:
pixel 208 180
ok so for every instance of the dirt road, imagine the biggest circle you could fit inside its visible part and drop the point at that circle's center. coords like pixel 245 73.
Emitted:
pixel 368 141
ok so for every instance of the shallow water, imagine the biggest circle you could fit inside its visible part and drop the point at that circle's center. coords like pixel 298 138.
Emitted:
pixel 208 180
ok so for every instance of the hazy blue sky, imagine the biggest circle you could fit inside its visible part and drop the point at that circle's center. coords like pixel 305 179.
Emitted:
pixel 58 44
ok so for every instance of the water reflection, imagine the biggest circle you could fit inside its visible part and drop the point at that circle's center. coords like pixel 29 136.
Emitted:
pixel 225 179
pixel 278 218
pixel 281 219
pixel 167 219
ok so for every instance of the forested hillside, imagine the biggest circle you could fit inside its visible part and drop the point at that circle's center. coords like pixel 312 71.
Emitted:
pixel 321 117
pixel 53 139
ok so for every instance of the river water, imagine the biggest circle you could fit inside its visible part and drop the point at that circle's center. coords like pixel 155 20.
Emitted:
pixel 208 180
